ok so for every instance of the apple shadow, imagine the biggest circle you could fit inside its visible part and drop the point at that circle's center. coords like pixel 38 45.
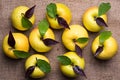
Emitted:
pixel 101 62
pixel 30 78
pixel 78 77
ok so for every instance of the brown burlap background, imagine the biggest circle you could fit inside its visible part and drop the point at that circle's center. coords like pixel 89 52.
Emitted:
pixel 95 69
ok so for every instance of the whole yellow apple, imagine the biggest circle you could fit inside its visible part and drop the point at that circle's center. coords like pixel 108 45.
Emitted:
pixel 67 70
pixel 16 17
pixel 21 43
pixel 36 40
pixel 31 61
pixel 70 36
pixel 89 21
pixel 62 11
pixel 110 48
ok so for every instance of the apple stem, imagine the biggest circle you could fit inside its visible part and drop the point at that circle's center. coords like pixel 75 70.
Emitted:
pixel 41 38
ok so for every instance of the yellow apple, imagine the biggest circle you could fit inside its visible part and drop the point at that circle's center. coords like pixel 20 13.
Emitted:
pixel 31 61
pixel 16 17
pixel 67 70
pixel 89 19
pixel 70 36
pixel 62 11
pixel 110 48
pixel 21 43
pixel 36 40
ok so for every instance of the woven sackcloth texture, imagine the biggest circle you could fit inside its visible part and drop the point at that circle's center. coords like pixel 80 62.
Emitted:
pixel 95 69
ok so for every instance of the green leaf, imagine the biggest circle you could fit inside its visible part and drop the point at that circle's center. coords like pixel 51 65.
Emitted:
pixel 26 23
pixel 52 10
pixel 103 8
pixel 21 54
pixel 82 40
pixel 43 65
pixel 43 27
pixel 104 36
pixel 64 60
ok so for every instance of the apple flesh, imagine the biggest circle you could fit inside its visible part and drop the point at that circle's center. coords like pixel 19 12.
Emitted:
pixel 31 61
pixel 70 36
pixel 36 40
pixel 89 19
pixel 67 70
pixel 16 17
pixel 110 48
pixel 62 11
pixel 21 44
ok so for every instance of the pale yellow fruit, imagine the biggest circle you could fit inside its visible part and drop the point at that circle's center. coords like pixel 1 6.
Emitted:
pixel 67 70
pixel 109 50
pixel 62 11
pixel 21 43
pixel 31 61
pixel 69 37
pixel 16 17
pixel 36 41
pixel 89 19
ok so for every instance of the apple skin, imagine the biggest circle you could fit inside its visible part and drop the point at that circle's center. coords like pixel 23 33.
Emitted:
pixel 67 70
pixel 31 61
pixel 109 50
pixel 75 32
pixel 62 11
pixel 36 41
pixel 16 17
pixel 89 19
pixel 21 44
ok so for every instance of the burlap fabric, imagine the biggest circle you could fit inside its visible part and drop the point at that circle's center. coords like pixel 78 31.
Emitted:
pixel 95 69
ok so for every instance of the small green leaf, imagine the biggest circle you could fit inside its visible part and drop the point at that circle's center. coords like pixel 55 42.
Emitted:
pixel 21 54
pixel 51 10
pixel 103 8
pixel 43 65
pixel 43 27
pixel 82 40
pixel 104 36
pixel 64 60
pixel 26 23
